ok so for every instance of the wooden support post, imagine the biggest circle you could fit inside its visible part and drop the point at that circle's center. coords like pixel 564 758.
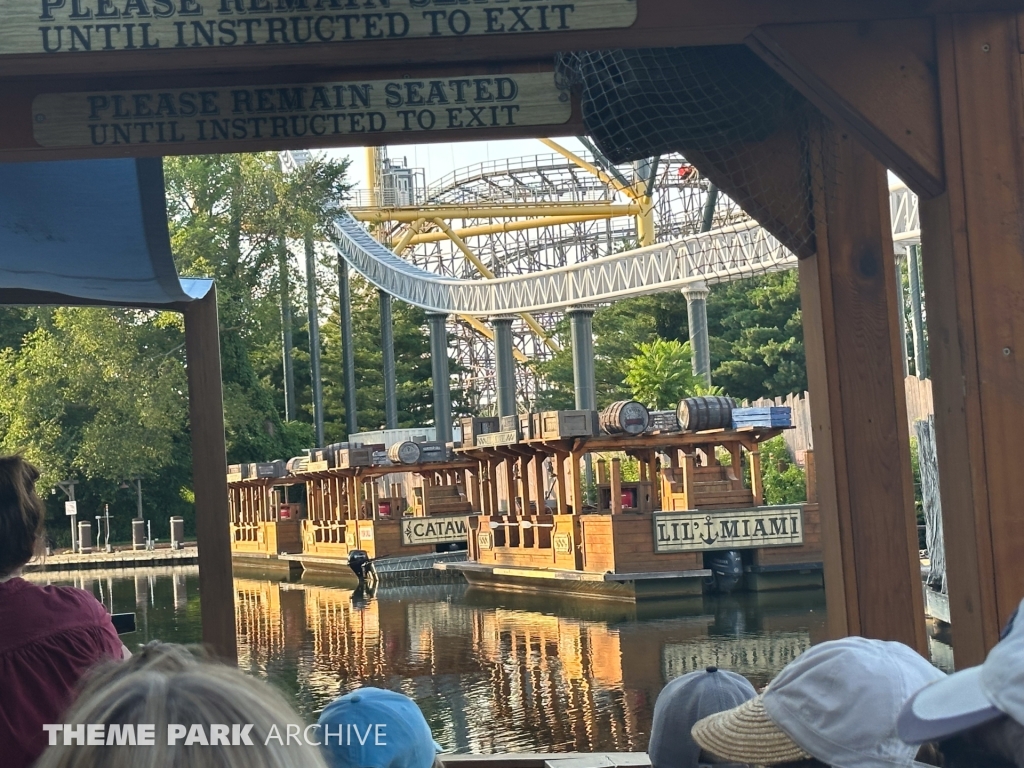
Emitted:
pixel 558 461
pixel 473 483
pixel 810 477
pixel 492 473
pixel 524 482
pixel 577 483
pixel 209 482
pixel 756 481
pixel 602 471
pixel 538 483
pixel 652 475
pixel 686 470
pixel 973 264
pixel 510 484
pixel 858 405
pixel 615 484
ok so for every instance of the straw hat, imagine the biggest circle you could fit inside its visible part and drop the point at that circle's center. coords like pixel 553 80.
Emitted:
pixel 836 702
pixel 746 735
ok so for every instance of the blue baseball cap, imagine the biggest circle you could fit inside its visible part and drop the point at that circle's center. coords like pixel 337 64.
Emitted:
pixel 374 728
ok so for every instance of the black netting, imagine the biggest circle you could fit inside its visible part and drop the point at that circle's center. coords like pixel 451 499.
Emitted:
pixel 639 103
pixel 733 117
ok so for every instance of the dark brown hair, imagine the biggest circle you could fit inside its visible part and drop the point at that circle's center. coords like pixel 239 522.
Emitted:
pixel 21 513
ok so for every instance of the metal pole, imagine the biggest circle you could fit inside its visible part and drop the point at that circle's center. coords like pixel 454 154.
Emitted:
pixel 916 313
pixel 314 340
pixel 901 305
pixel 138 487
pixel 286 331
pixel 440 375
pixel 709 209
pixel 387 339
pixel 348 358
pixel 581 320
pixel 504 366
pixel 697 322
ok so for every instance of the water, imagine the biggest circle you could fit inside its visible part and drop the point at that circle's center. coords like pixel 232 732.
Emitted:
pixel 492 673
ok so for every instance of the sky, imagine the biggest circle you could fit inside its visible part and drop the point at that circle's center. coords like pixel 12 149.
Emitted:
pixel 440 159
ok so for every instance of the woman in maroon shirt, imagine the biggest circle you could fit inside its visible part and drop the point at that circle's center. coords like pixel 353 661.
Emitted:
pixel 49 636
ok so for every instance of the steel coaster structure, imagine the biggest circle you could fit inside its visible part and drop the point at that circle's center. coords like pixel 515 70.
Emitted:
pixel 590 214
pixel 558 261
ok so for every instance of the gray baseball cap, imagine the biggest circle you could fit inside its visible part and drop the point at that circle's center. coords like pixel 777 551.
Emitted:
pixel 972 696
pixel 682 703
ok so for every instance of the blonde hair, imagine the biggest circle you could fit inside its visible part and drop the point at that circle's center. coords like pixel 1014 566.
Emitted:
pixel 167 684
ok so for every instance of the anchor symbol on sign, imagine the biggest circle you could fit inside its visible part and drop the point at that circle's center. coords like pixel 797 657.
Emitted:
pixel 408 529
pixel 709 539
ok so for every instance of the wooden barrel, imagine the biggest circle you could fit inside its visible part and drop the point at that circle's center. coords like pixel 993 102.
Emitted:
pixel 696 414
pixel 625 417
pixel 297 464
pixel 406 452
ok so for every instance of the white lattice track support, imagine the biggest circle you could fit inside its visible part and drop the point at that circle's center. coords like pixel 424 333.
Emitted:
pixel 721 255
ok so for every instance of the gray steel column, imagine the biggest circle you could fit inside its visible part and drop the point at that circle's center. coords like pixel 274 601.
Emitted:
pixel 440 376
pixel 697 322
pixel 916 314
pixel 387 340
pixel 504 365
pixel 286 331
pixel 902 304
pixel 581 321
pixel 314 340
pixel 348 357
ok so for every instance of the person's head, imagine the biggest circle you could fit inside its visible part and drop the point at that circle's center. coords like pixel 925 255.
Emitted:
pixel 393 731
pixel 836 703
pixel 201 707
pixel 682 703
pixel 978 713
pixel 21 513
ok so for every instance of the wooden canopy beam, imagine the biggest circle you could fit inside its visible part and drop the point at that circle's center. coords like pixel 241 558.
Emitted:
pixel 876 79
pixel 973 258
pixel 249 35
pixel 858 404
pixel 209 476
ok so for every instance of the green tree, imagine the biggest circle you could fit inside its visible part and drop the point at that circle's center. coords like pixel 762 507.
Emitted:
pixel 784 481
pixel 756 336
pixel 661 374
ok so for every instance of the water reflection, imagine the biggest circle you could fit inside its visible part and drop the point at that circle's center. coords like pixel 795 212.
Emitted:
pixel 492 672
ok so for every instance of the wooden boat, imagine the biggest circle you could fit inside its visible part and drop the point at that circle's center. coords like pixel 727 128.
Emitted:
pixel 651 537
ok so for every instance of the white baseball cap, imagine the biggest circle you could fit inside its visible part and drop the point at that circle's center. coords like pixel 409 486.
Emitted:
pixel 837 702
pixel 972 696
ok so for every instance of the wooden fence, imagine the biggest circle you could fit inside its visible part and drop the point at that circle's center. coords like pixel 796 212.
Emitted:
pixel 799 439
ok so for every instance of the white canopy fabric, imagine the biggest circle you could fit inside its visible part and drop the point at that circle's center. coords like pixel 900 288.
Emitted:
pixel 88 232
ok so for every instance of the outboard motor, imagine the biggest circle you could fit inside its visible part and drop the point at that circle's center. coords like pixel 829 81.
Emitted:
pixel 361 565
pixel 726 569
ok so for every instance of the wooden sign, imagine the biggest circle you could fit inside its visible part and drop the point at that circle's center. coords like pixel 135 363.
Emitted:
pixel 433 530
pixel 258 114
pixel 705 530
pixel 491 439
pixel 75 26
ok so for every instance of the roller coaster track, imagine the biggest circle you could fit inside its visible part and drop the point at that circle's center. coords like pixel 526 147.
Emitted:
pixel 721 255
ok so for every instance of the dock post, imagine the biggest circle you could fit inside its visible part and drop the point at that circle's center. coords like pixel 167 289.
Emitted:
pixel 209 476
pixel 504 366
pixel 440 376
